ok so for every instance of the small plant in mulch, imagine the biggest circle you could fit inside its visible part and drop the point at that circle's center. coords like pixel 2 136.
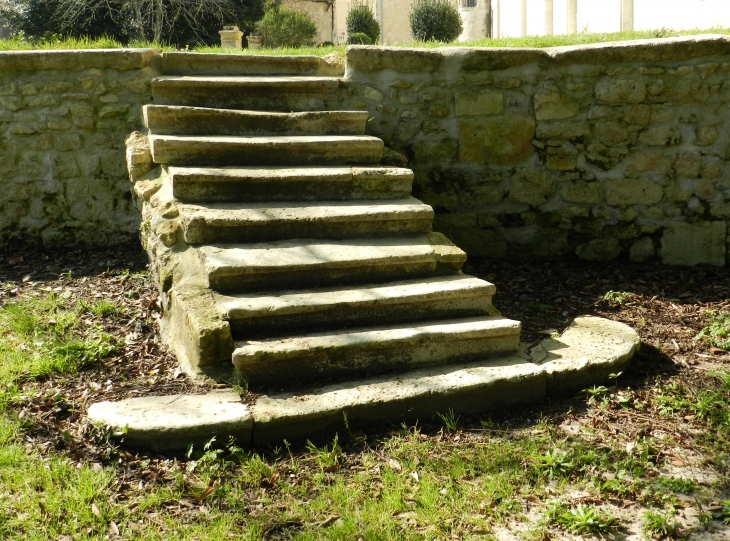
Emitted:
pixel 717 332
pixel 660 525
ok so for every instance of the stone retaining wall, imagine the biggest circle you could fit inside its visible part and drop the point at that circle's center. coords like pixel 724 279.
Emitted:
pixel 603 151
pixel 64 116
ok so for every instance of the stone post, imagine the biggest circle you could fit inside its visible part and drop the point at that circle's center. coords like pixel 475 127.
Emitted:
pixel 572 16
pixel 627 15
pixel 548 17
pixel 254 42
pixel 524 18
pixel 231 37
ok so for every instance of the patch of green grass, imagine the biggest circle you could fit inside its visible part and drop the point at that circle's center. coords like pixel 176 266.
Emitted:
pixel 571 39
pixel 583 519
pixel 676 484
pixel 59 43
pixel 660 525
pixel 43 337
pixel 717 332
pixel 101 308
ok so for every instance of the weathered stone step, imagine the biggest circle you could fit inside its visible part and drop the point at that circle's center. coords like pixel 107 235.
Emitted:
pixel 179 120
pixel 257 93
pixel 370 350
pixel 438 297
pixel 290 184
pixel 262 222
pixel 285 150
pixel 239 64
pixel 586 354
pixel 312 263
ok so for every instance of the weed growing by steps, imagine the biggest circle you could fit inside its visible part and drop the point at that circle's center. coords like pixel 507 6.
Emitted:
pixel 583 520
pixel 661 525
pixel 717 332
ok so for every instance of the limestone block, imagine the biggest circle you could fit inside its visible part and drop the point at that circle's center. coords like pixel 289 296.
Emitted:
pixel 28 90
pixel 688 90
pixel 661 136
pixel 720 210
pixel 642 250
pixel 55 123
pixel 706 136
pixel 68 141
pixel 688 164
pixel 22 129
pixel 58 87
pixel 645 161
pixel 433 150
pixel 612 90
pixel 138 86
pixel 711 168
pixel 637 115
pixel 485 102
pixel 680 190
pixel 623 192
pixel 707 70
pixel 563 158
pixel 44 141
pixel 694 244
pixel 437 110
pixel 600 111
pixel 555 106
pixel 111 111
pixel 611 133
pixel 531 186
pixel 373 94
pixel 604 249
pixel 167 230
pixel 504 140
pixel 11 103
pixel 563 130
pixel 587 193
pixel 705 189
pixel 44 100
pixel 486 194
pixel 405 131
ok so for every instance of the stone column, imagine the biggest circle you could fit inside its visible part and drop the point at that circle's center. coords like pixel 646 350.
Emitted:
pixel 572 16
pixel 497 21
pixel 627 15
pixel 231 37
pixel 524 18
pixel 548 17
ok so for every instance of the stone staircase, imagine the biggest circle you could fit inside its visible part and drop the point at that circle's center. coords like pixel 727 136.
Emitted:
pixel 289 260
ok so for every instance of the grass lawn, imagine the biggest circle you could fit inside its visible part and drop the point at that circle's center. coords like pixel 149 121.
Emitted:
pixel 531 41
pixel 644 455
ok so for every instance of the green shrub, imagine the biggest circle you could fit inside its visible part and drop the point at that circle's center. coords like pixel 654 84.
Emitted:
pixel 361 20
pixel 358 38
pixel 286 28
pixel 435 20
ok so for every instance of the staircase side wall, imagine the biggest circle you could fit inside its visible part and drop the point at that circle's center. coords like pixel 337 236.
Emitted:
pixel 64 117
pixel 600 151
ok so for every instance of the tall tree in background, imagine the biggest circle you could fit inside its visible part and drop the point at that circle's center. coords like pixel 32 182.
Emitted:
pixel 180 22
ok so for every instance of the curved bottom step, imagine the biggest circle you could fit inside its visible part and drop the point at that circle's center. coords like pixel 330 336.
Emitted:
pixel 589 350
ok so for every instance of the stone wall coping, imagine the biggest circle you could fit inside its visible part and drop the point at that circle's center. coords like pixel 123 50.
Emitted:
pixel 364 58
pixel 77 59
